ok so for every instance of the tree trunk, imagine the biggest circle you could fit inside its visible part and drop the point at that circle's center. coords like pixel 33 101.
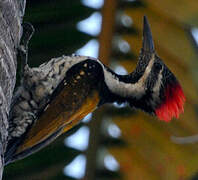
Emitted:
pixel 11 14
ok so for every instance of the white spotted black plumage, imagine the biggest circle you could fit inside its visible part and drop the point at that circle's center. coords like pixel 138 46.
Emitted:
pixel 37 86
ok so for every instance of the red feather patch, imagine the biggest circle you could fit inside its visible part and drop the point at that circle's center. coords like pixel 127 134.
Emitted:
pixel 172 106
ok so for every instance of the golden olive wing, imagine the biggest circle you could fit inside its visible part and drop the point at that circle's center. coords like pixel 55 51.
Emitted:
pixel 75 97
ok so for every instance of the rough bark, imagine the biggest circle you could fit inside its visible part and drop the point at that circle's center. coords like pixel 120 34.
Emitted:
pixel 11 14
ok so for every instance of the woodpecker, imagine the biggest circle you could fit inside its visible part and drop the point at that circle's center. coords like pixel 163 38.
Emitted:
pixel 55 96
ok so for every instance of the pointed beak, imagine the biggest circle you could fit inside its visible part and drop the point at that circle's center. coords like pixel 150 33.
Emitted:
pixel 148 44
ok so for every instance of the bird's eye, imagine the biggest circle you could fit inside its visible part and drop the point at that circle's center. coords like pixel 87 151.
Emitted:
pixel 157 66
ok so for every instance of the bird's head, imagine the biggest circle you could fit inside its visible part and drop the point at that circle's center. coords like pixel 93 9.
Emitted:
pixel 151 87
